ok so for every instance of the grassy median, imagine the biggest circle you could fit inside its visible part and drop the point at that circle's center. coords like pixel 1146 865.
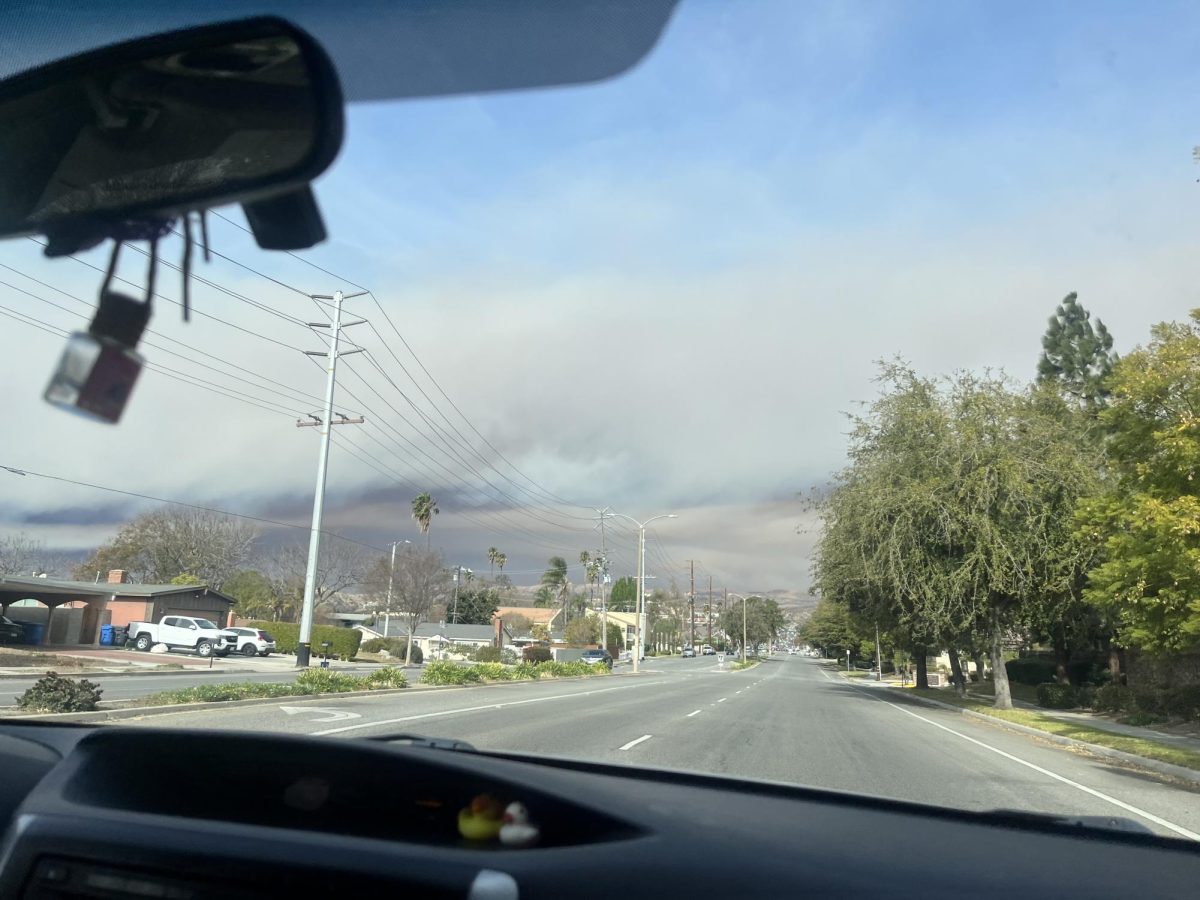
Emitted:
pixel 310 681
pixel 1150 749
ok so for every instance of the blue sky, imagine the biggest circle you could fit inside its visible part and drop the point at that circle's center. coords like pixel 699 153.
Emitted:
pixel 663 291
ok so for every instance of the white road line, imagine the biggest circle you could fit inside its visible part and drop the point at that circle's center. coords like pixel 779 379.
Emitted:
pixel 737 692
pixel 692 713
pixel 1060 778
pixel 723 699
pixel 634 742
pixel 451 712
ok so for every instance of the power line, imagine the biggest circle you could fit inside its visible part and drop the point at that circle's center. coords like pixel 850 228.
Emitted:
pixel 16 470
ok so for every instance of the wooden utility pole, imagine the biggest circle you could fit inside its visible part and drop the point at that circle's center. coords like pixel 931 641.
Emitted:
pixel 708 610
pixel 692 605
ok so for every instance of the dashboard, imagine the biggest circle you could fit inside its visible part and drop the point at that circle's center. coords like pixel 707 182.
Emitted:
pixel 117 812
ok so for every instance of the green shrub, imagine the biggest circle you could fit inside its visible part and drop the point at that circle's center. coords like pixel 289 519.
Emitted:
pixel 386 677
pixel 1032 670
pixel 53 693
pixel 525 670
pixel 508 656
pixel 1085 696
pixel 344 642
pixel 1112 697
pixel 327 681
pixel 487 654
pixel 1149 699
pixel 397 647
pixel 569 669
pixel 226 691
pixel 535 653
pixel 1053 695
pixel 1183 702
pixel 444 672
pixel 493 671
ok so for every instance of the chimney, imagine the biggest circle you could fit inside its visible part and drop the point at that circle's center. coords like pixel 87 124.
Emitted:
pixel 118 576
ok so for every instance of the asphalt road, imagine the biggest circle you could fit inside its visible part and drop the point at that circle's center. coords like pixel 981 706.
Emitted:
pixel 787 720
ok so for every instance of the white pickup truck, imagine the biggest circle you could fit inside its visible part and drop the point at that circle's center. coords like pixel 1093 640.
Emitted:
pixel 183 632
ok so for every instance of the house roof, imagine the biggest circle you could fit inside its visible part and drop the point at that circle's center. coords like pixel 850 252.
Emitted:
pixel 455 632
pixel 537 615
pixel 395 628
pixel 22 588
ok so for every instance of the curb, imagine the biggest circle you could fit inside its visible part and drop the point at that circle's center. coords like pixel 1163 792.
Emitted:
pixel 135 712
pixel 1163 768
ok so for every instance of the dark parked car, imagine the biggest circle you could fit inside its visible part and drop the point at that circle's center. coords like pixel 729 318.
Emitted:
pixel 10 632
pixel 597 657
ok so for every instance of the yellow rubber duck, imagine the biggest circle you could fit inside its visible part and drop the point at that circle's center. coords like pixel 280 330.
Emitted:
pixel 482 820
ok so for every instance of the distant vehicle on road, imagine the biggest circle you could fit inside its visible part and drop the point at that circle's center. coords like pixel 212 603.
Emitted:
pixel 203 637
pixel 597 657
pixel 707 650
pixel 689 651
pixel 253 641
pixel 11 632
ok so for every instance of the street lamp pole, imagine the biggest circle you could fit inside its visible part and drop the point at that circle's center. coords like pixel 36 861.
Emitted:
pixel 641 570
pixel 387 612
pixel 743 596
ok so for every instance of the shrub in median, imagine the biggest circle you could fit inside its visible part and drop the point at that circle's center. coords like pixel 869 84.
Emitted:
pixel 310 681
pixel 53 693
pixel 535 653
pixel 1053 695
pixel 444 672
pixel 487 654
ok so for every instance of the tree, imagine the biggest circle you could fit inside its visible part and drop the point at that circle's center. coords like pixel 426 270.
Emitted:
pixel 623 596
pixel 340 565
pixel 424 508
pixel 476 605
pixel 1147 523
pixel 1076 357
pixel 616 639
pixel 517 625
pixel 829 628
pixel 555 586
pixel 253 593
pixel 493 554
pixel 581 631
pixel 19 555
pixel 421 581
pixel 763 620
pixel 159 545
pixel 501 562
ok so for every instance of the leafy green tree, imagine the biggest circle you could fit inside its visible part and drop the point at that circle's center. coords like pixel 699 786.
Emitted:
pixel 476 605
pixel 830 628
pixel 254 593
pixel 582 630
pixel 424 508
pixel 1077 357
pixel 616 639
pixel 623 596
pixel 763 620
pixel 1148 523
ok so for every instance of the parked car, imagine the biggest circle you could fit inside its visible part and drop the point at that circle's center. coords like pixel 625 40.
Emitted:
pixel 184 633
pixel 253 641
pixel 706 650
pixel 689 651
pixel 597 657
pixel 11 632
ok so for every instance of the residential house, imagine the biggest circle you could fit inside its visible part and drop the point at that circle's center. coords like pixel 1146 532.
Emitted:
pixel 537 615
pixel 436 638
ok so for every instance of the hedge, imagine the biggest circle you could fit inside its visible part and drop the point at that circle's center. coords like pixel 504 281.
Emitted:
pixel 447 672
pixel 1053 695
pixel 310 681
pixel 344 641
pixel 1031 670
pixel 397 647
pixel 535 653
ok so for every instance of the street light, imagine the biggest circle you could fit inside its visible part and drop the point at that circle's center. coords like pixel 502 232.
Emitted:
pixel 387 612
pixel 641 594
pixel 458 571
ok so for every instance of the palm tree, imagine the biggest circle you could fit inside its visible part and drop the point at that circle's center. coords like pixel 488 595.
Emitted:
pixel 501 561
pixel 493 554
pixel 585 560
pixel 424 508
pixel 555 583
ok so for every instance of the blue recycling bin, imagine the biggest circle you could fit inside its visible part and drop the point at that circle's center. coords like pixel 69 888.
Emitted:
pixel 34 632
pixel 106 635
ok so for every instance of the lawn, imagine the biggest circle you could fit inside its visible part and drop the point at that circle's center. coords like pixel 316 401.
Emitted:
pixel 1149 749
pixel 33 659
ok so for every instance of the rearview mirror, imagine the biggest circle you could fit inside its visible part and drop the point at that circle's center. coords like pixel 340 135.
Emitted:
pixel 245 112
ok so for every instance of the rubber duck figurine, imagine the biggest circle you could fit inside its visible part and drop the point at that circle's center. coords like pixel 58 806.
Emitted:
pixel 482 819
pixel 517 830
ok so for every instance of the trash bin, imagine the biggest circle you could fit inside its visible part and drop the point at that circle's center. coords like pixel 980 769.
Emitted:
pixel 34 632
pixel 120 635
pixel 106 635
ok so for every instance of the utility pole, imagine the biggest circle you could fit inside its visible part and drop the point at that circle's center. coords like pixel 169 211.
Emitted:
pixel 641 580
pixel 458 570
pixel 387 612
pixel 603 581
pixel 692 606
pixel 879 656
pixel 708 611
pixel 325 423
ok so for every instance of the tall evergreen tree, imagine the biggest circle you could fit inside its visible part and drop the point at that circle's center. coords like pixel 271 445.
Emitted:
pixel 1076 356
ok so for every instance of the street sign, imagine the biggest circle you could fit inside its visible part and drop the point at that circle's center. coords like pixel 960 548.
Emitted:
pixel 720 659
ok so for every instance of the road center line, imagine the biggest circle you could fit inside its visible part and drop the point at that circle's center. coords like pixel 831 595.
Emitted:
pixel 634 742
pixel 723 699
pixel 467 709
pixel 692 713
pixel 1060 778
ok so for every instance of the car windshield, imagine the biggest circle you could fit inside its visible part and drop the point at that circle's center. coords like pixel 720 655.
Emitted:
pixel 832 374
